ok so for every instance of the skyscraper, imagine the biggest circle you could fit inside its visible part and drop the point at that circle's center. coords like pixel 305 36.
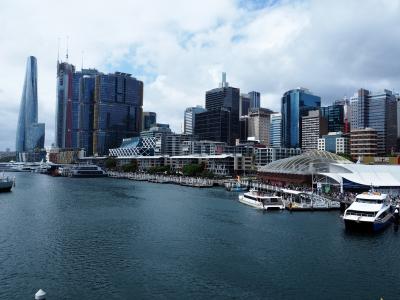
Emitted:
pixel 118 101
pixel 244 104
pixel 259 125
pixel 254 99
pixel 295 105
pixel 30 133
pixel 377 111
pixel 69 102
pixel 221 120
pixel 335 115
pixel 276 130
pixel 190 118
pixel 313 127
pixel 149 119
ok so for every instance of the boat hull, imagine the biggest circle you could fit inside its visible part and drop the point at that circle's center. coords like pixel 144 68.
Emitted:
pixel 6 186
pixel 259 205
pixel 367 226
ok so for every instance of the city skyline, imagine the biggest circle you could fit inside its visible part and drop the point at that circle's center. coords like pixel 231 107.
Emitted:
pixel 184 59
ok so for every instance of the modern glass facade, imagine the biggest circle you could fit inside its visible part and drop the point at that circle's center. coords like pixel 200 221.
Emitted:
pixel 149 119
pixel 221 120
pixel 86 112
pixel 276 130
pixel 190 118
pixel 377 111
pixel 295 105
pixel 244 104
pixel 118 101
pixel 254 99
pixel 30 134
pixel 334 114
pixel 64 120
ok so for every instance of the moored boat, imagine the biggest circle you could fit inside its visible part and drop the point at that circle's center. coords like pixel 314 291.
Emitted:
pixel 262 201
pixel 86 171
pixel 6 184
pixel 370 212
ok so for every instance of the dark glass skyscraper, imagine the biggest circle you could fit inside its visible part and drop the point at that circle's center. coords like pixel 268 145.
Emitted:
pixel 295 105
pixel 221 120
pixel 334 114
pixel 118 101
pixel 149 119
pixel 30 133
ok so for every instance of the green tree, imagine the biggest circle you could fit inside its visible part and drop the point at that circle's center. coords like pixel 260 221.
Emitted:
pixel 131 167
pixel 110 163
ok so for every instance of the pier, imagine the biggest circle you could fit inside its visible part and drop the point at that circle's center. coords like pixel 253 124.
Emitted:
pixel 168 179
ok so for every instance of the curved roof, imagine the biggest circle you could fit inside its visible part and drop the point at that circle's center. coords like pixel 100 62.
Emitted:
pixel 367 175
pixel 305 164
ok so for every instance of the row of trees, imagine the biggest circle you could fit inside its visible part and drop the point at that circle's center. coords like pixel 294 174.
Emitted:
pixel 191 170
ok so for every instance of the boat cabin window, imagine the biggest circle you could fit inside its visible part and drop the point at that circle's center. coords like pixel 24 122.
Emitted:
pixel 362 200
pixel 360 213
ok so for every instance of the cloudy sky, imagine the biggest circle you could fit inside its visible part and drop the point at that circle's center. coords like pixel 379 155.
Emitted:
pixel 179 48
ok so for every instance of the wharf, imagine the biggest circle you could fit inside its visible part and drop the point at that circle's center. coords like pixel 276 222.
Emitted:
pixel 167 179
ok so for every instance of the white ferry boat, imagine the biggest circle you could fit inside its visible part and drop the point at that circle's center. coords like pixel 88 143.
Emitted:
pixel 261 201
pixel 86 171
pixel 370 211
pixel 296 200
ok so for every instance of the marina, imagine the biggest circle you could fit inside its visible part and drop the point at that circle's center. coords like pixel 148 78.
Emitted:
pixel 134 239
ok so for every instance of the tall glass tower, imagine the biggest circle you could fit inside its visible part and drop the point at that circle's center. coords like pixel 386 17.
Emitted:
pixel 30 133
pixel 295 105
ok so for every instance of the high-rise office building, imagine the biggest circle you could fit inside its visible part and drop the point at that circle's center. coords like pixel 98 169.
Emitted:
pixel 221 120
pixel 149 119
pixel 377 111
pixel 295 105
pixel 276 130
pixel 259 125
pixel 254 99
pixel 244 104
pixel 30 133
pixel 190 118
pixel 86 112
pixel 118 101
pixel 244 128
pixel 335 115
pixel 313 127
pixel 69 103
pixel 345 102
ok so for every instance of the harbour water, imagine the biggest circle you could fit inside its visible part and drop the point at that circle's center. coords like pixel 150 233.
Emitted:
pixel 106 238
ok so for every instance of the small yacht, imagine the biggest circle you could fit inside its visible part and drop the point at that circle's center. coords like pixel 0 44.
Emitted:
pixel 6 183
pixel 370 211
pixel 86 171
pixel 261 201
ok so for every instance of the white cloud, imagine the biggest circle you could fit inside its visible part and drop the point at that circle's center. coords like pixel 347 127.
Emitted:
pixel 179 49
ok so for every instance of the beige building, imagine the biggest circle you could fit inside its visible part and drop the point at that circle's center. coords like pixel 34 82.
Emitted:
pixel 259 123
pixel 313 127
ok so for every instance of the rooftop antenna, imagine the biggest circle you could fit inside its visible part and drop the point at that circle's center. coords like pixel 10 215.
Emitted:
pixel 82 61
pixel 66 55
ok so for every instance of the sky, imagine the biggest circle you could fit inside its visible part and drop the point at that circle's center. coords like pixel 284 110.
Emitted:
pixel 179 48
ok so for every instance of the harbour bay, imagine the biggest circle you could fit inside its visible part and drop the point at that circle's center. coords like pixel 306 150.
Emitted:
pixel 105 238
